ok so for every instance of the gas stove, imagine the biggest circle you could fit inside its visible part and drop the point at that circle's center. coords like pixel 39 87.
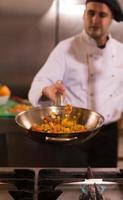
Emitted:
pixel 61 184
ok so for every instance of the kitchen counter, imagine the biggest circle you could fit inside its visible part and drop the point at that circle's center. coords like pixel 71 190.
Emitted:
pixel 17 150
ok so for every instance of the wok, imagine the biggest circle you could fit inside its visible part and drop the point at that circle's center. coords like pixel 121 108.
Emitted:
pixel 92 120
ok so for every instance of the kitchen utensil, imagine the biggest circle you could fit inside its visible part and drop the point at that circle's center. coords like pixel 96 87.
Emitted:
pixel 92 120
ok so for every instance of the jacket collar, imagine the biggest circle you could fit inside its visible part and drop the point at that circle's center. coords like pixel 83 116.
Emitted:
pixel 90 40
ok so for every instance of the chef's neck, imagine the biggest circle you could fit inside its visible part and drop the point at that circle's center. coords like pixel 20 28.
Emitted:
pixel 101 42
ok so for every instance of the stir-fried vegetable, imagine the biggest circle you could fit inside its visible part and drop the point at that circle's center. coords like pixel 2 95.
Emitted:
pixel 59 124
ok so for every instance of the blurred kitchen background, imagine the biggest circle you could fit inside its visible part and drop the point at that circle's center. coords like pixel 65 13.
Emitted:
pixel 29 30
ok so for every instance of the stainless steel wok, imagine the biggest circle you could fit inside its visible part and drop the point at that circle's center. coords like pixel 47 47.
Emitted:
pixel 92 120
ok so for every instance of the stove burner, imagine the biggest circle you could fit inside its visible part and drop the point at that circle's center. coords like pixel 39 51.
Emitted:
pixel 49 195
pixel 19 184
pixel 87 192
pixel 92 192
pixel 51 184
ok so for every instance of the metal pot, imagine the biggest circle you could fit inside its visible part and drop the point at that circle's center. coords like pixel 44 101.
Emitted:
pixel 92 120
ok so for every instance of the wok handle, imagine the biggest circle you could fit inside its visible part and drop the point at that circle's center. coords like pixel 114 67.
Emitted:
pixel 59 100
pixel 59 97
pixel 54 139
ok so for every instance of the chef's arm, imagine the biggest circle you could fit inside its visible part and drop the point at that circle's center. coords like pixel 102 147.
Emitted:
pixel 44 83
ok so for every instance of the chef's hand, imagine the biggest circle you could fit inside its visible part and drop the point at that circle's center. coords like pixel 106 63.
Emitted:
pixel 51 91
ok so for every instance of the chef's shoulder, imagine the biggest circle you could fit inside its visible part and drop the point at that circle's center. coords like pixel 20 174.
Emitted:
pixel 68 43
pixel 118 45
pixel 117 50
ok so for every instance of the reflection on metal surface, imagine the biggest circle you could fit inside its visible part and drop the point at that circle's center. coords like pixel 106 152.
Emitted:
pixel 71 8
pixel 25 6
pixel 90 181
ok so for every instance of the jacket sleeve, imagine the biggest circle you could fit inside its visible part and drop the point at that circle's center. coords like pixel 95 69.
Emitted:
pixel 52 71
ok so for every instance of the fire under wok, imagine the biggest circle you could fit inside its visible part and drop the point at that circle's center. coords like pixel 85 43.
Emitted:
pixel 90 119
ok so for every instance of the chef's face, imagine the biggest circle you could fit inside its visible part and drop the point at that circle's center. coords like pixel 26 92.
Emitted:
pixel 97 19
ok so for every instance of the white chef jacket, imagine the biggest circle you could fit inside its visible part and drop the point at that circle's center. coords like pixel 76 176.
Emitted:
pixel 93 77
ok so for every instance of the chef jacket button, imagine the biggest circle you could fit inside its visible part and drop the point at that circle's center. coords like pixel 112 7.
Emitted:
pixel 91 94
pixel 108 115
pixel 91 75
pixel 110 95
pixel 113 75
pixel 95 57
pixel 90 55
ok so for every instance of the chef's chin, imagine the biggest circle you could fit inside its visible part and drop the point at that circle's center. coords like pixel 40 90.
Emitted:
pixel 96 34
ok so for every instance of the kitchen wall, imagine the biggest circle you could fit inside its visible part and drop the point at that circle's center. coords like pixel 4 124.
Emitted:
pixel 26 38
pixel 29 30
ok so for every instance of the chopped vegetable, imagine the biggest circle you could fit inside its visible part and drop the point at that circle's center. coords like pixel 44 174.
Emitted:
pixel 54 123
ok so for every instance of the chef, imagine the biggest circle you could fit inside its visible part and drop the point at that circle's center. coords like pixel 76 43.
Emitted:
pixel 87 69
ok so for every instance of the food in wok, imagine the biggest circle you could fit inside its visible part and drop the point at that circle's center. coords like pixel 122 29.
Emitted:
pixel 69 115
pixel 54 123
pixel 57 124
